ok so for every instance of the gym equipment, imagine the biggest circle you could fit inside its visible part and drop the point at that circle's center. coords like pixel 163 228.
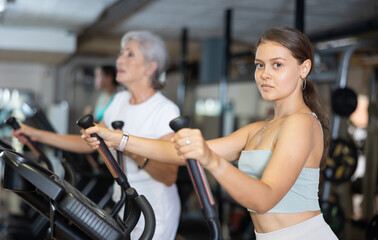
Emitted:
pixel 341 161
pixel 86 122
pixel 90 181
pixel 344 101
pixel 36 114
pixel 12 122
pixel 29 225
pixel 71 214
pixel 118 125
pixel 201 186
pixel 79 173
pixel 137 202
pixel 58 201
pixel 32 221
pixel 65 171
pixel 5 144
pixel 118 206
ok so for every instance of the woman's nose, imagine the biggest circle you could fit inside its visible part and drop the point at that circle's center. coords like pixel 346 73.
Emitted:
pixel 265 73
pixel 119 60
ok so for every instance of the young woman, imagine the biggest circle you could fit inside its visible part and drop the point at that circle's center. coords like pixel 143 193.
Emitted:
pixel 146 113
pixel 279 160
pixel 105 81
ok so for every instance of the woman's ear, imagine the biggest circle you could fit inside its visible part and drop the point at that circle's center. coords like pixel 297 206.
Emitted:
pixel 151 68
pixel 305 68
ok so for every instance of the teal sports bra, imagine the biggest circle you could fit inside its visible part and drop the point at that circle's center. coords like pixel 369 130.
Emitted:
pixel 303 195
pixel 100 109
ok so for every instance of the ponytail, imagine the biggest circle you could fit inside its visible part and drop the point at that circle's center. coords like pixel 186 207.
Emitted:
pixel 312 100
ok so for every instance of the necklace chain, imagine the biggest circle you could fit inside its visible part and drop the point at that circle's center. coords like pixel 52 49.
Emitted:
pixel 265 126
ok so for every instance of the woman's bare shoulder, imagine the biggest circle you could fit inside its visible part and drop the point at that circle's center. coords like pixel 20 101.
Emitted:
pixel 301 118
pixel 299 123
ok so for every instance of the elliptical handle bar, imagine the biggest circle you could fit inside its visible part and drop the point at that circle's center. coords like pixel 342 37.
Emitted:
pixel 87 121
pixel 149 217
pixel 129 211
pixel 118 125
pixel 12 122
pixel 141 202
pixel 201 185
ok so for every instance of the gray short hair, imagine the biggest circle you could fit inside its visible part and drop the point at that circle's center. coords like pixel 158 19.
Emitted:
pixel 153 50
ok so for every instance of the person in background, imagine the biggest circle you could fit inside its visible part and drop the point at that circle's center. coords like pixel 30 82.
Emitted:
pixel 277 178
pixel 146 112
pixel 105 81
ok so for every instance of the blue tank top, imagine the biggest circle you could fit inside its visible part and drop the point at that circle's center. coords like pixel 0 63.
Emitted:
pixel 303 195
pixel 100 108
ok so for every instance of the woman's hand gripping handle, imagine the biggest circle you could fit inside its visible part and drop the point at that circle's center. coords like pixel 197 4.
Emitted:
pixel 86 122
pixel 201 185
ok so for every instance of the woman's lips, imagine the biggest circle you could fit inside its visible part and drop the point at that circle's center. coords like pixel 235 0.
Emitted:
pixel 266 86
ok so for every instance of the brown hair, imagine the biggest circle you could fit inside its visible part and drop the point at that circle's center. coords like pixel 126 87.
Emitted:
pixel 111 71
pixel 301 49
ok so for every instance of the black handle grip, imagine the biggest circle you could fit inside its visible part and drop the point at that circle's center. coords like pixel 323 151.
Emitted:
pixel 118 125
pixel 86 122
pixel 179 123
pixel 13 123
pixel 201 185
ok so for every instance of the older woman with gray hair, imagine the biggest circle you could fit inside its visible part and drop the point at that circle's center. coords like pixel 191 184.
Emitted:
pixel 146 113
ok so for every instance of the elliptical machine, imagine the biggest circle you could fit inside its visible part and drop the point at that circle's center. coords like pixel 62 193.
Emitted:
pixel 82 170
pixel 71 214
pixel 31 223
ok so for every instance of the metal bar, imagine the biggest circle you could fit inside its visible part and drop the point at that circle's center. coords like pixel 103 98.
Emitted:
pixel 223 79
pixel 299 15
pixel 343 75
pixel 183 68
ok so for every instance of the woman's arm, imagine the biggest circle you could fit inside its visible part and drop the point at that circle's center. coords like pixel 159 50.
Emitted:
pixel 230 146
pixel 162 172
pixel 73 143
pixel 157 149
pixel 293 147
pixel 164 151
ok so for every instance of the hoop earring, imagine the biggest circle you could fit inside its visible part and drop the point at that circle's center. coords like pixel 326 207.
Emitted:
pixel 304 83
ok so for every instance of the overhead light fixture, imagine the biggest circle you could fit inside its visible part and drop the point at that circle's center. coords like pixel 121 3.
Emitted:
pixel 3 3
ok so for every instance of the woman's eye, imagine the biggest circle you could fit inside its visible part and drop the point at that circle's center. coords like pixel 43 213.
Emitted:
pixel 277 65
pixel 259 65
pixel 130 54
